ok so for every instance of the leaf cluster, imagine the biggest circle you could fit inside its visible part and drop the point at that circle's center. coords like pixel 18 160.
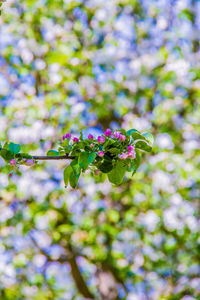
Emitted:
pixel 85 154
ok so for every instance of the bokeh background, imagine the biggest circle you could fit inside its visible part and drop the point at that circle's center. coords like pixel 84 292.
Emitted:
pixel 69 65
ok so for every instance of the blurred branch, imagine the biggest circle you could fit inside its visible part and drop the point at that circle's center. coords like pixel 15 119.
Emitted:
pixel 63 258
pixel 75 272
pixel 78 278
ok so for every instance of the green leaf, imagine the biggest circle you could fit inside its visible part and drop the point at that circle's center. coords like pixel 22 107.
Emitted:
pixel 81 136
pixel 141 141
pixel 15 148
pixel 117 174
pixel 91 157
pixel 114 150
pixel 6 155
pixel 106 166
pixel 73 179
pixel 74 175
pixel 143 145
pixel 85 159
pixel 149 137
pixel 123 131
pixel 66 174
pixel 52 153
pixel 134 163
pixel 129 132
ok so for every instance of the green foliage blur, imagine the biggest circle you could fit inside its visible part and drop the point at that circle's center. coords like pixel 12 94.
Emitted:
pixel 67 66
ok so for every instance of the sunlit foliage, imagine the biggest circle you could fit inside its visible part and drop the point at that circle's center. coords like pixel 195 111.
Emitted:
pixel 70 65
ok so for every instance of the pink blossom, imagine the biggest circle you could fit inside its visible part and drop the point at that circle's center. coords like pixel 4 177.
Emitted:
pixel 108 132
pixel 130 148
pixel 97 172
pixel 101 139
pixel 122 137
pixel 131 154
pixel 123 156
pixel 68 136
pixel 30 162
pixel 112 136
pixel 116 134
pixel 13 162
pixel 101 154
pixel 90 136
pixel 92 145
pixel 75 140
pixel 10 174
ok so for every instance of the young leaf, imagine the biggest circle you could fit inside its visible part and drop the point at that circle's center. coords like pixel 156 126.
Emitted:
pixel 66 174
pixel 129 132
pixel 114 150
pixel 106 166
pixel 15 148
pixel 5 146
pixel 143 145
pixel 123 131
pixel 6 154
pixel 74 175
pixel 117 174
pixel 91 157
pixel 141 142
pixel 52 153
pixel 81 136
pixel 134 163
pixel 85 159
pixel 149 137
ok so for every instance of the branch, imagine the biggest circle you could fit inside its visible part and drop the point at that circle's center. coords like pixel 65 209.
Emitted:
pixel 53 157
pixel 79 280
pixel 62 259
pixel 75 272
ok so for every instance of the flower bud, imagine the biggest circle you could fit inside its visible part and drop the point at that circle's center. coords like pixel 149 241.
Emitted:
pixel 13 162
pixel 68 135
pixel 122 137
pixel 131 154
pixel 75 140
pixel 30 162
pixel 101 154
pixel 108 132
pixel 123 156
pixel 130 148
pixel 101 139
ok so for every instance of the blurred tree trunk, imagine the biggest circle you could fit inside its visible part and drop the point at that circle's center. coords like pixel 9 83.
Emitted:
pixel 107 285
pixel 78 279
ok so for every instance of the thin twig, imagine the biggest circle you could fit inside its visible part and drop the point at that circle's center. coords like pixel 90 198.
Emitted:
pixel 53 157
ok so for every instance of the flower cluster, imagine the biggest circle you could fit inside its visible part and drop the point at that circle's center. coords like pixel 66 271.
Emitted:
pixel 15 162
pixel 131 153
pixel 108 134
pixel 112 153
